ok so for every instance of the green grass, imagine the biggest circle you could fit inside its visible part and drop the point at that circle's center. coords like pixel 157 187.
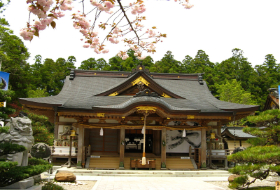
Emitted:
pixel 262 188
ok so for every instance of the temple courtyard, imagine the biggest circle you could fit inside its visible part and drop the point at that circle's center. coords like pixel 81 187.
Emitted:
pixel 151 180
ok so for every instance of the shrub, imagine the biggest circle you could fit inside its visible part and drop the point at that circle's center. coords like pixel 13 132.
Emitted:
pixel 11 173
pixel 9 148
pixel 52 186
pixel 36 161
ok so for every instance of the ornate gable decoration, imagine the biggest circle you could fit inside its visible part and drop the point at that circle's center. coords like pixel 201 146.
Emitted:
pixel 142 80
pixel 147 92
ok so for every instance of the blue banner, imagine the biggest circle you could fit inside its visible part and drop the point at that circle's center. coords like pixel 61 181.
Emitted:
pixel 4 80
pixel 279 94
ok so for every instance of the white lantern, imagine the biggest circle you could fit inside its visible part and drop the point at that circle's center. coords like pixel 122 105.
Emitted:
pixel 142 130
pixel 184 133
pixel 101 131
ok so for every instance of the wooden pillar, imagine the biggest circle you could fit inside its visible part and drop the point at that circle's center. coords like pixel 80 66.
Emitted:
pixel 122 146
pixel 163 148
pixel 157 142
pixel 86 137
pixel 56 120
pixel 219 130
pixel 203 148
pixel 81 140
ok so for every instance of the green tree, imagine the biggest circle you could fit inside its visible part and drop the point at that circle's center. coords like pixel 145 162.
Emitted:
pixel 237 67
pixel 38 93
pixel 6 96
pixel 232 91
pixel 167 64
pixel 263 156
pixel 266 76
pixel 49 76
pixel 89 64
pixel 200 64
pixel 42 129
pixel 13 55
pixel 117 64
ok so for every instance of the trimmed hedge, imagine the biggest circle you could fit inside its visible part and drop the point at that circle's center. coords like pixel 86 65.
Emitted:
pixel 11 173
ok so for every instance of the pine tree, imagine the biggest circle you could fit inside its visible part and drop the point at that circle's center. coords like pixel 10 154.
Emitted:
pixel 263 156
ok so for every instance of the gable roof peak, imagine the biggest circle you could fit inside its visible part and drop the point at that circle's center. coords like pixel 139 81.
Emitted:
pixel 140 68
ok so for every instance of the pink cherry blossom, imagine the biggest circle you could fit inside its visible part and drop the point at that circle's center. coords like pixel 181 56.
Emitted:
pixel 41 27
pixel 60 14
pixel 49 10
pixel 109 4
pixel 187 6
pixel 65 7
pixel 96 40
pixel 94 3
pixel 134 12
pixel 49 3
pixel 46 21
pixel 105 51
pixel 109 12
pixel 94 34
pixel 26 34
pixel 97 51
pixel 42 2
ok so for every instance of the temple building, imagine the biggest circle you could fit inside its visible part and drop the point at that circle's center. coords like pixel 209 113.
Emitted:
pixel 108 110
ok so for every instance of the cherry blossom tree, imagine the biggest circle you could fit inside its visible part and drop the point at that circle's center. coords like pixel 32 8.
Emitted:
pixel 122 22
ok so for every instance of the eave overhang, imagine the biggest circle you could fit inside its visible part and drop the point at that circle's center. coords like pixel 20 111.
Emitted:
pixel 227 133
pixel 38 105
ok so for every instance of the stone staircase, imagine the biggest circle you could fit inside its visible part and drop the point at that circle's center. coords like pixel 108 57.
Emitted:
pixel 104 163
pixel 147 173
pixel 112 163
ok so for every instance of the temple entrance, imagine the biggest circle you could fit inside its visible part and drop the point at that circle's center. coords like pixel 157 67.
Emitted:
pixel 134 141
pixel 105 143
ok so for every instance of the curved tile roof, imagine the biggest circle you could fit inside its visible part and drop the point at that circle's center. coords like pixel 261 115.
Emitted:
pixel 80 93
pixel 236 132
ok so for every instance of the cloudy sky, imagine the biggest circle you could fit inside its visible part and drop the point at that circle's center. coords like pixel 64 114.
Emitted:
pixel 215 26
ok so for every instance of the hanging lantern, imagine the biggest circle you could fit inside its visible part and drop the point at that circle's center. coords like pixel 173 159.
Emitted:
pixel 73 133
pixel 142 130
pixel 101 131
pixel 213 136
pixel 184 133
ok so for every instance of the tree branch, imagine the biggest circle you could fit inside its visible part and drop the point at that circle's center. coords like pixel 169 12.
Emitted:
pixel 119 1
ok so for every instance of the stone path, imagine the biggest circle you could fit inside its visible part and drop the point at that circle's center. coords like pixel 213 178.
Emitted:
pixel 152 183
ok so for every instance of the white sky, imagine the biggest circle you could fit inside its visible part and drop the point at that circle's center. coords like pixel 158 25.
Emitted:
pixel 215 26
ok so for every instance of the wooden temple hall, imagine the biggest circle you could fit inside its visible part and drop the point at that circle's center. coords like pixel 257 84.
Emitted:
pixel 172 120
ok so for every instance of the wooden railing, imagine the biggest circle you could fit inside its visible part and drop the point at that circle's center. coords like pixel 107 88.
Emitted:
pixel 195 153
pixel 217 155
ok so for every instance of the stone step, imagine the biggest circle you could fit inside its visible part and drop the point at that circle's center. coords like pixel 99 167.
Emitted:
pixel 156 175
pixel 148 173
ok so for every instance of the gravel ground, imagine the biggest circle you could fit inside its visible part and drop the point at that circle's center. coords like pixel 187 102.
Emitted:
pixel 270 181
pixel 79 185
